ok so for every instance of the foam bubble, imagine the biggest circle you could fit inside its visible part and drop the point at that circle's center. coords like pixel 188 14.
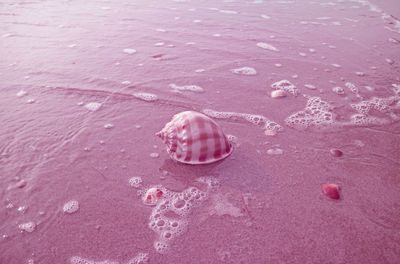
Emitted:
pixel 93 106
pixel 228 12
pixel 259 120
pixel 266 46
pixel 159 44
pixel 80 260
pixel 148 97
pixel 316 113
pixel 125 82
pixel 336 65
pixel 141 258
pixel 310 86
pixel 390 61
pixel 135 181
pixel 360 73
pixel 286 86
pixel 352 88
pixel 154 155
pixel 169 217
pixel 27 227
pixel 275 151
pixel 265 16
pixel 108 126
pixel 191 88
pixel 22 93
pixel 129 51
pixel 245 71
pixel 71 207
pixel 302 54
pixel 221 206
pixel 338 90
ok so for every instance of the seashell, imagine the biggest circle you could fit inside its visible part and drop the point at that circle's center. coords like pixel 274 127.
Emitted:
pixel 152 196
pixel 331 190
pixel 194 138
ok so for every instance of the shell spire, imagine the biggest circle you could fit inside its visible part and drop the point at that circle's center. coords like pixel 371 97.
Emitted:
pixel 194 138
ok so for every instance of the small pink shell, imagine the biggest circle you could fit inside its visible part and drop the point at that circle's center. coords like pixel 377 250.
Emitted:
pixel 194 138
pixel 152 196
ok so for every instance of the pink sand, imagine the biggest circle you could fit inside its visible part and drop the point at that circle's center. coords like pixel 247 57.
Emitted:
pixel 76 126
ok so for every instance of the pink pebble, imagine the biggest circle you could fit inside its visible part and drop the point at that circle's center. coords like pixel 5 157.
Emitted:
pixel 278 94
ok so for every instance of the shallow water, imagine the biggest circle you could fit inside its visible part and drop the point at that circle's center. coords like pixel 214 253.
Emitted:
pixel 85 85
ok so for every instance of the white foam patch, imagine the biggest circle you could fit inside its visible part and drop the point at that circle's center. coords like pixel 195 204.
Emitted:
pixel 352 88
pixel 266 46
pixel 310 86
pixel 228 12
pixel 141 258
pixel 22 93
pixel 245 71
pixel 376 111
pixel 338 90
pixel 221 206
pixel 265 16
pixel 275 151
pixel 170 216
pixel 258 120
pixel 135 182
pixel 148 97
pixel 129 51
pixel 317 113
pixel 285 86
pixel 93 106
pixel 27 227
pixel 71 207
pixel 190 88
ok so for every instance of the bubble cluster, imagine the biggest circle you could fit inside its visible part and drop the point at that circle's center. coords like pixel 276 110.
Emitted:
pixel 93 106
pixel 384 109
pixel 80 260
pixel 285 86
pixel 148 97
pixel 135 181
pixel 191 88
pixel 316 113
pixel 266 46
pixel 169 218
pixel 352 88
pixel 258 120
pixel 71 207
pixel 141 258
pixel 27 227
pixel 245 71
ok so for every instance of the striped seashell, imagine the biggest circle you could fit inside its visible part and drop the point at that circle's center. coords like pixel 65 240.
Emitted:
pixel 194 138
